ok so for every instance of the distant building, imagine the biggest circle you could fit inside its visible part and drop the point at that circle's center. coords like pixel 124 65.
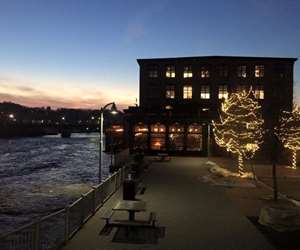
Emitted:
pixel 179 97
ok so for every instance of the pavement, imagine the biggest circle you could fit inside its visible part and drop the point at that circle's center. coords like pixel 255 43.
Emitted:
pixel 191 215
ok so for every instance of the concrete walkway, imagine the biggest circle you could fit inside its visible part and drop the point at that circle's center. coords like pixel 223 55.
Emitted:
pixel 191 215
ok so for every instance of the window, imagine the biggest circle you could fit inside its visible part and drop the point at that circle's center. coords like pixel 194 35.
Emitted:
pixel 241 88
pixel 187 92
pixel 204 72
pixel 170 71
pixel 140 136
pixel 153 71
pixel 187 72
pixel 176 137
pixel 194 137
pixel 158 137
pixel 223 92
pixel 242 71
pixel 170 92
pixel 259 92
pixel 259 70
pixel 204 92
pixel 224 71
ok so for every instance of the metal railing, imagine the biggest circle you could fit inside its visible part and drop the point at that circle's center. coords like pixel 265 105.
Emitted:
pixel 54 230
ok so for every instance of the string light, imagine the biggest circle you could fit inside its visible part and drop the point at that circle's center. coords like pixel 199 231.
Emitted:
pixel 240 129
pixel 288 132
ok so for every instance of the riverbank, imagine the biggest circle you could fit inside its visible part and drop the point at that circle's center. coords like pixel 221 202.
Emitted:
pixel 42 174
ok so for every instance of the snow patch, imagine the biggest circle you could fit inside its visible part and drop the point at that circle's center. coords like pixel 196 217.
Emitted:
pixel 219 176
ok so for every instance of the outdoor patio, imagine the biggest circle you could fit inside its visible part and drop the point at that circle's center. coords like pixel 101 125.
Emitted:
pixel 191 215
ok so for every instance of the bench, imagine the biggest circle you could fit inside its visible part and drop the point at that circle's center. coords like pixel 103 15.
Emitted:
pixel 107 216
pixel 151 222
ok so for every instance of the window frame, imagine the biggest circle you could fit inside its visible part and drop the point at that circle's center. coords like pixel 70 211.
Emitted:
pixel 224 89
pixel 187 92
pixel 150 71
pixel 242 71
pixel 168 90
pixel 187 71
pixel 204 72
pixel 259 71
pixel 204 92
pixel 170 71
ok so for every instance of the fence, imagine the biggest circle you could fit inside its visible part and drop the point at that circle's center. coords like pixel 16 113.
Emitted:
pixel 54 230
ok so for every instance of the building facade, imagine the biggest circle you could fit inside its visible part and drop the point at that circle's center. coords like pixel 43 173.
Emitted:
pixel 179 98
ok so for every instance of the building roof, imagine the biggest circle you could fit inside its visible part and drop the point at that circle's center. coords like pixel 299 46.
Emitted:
pixel 200 58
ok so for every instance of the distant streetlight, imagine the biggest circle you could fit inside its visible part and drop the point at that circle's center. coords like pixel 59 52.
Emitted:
pixel 63 118
pixel 113 111
pixel 11 116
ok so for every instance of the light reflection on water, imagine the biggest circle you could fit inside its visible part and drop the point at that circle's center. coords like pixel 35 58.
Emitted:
pixel 40 175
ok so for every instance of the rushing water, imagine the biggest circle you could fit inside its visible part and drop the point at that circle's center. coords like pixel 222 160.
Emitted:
pixel 40 175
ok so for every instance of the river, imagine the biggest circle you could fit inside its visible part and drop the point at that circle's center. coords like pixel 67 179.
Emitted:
pixel 40 175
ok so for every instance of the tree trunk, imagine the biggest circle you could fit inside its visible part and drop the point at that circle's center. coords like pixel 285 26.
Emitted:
pixel 241 165
pixel 294 162
pixel 274 155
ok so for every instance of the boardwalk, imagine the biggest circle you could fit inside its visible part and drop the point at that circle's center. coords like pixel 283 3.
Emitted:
pixel 191 215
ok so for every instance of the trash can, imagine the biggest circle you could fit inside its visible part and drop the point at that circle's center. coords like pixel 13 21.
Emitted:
pixel 129 190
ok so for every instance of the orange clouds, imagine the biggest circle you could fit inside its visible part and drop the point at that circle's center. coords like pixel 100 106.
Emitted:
pixel 63 94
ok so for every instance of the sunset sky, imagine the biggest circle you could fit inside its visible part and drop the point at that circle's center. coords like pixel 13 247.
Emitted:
pixel 82 53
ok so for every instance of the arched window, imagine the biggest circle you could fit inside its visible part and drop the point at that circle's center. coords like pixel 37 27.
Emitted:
pixel 140 131
pixel 158 137
pixel 176 137
pixel 194 137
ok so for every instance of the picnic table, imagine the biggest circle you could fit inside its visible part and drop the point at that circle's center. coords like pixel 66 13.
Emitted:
pixel 131 207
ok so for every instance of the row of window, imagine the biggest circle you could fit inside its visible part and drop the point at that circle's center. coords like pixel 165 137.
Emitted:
pixel 170 72
pixel 187 91
pixel 177 141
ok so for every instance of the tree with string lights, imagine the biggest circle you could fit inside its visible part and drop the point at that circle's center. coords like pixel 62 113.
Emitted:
pixel 288 132
pixel 240 127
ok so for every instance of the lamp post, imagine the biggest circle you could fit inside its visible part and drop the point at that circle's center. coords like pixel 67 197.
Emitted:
pixel 114 111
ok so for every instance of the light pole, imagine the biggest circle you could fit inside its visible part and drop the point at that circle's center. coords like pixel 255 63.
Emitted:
pixel 114 111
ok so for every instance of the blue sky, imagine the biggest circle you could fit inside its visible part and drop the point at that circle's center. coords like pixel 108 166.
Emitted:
pixel 82 53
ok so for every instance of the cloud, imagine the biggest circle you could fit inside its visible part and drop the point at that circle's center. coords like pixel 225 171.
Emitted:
pixel 61 94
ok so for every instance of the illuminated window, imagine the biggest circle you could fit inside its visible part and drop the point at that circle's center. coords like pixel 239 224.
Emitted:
pixel 242 71
pixel 176 137
pixel 170 92
pixel 241 88
pixel 204 92
pixel 187 92
pixel 194 137
pixel 170 71
pixel 140 141
pixel 204 72
pixel 259 92
pixel 259 70
pixel 223 92
pixel 158 137
pixel 187 72
pixel 223 71
pixel 153 71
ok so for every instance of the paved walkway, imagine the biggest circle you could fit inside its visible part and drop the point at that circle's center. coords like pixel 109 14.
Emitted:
pixel 191 215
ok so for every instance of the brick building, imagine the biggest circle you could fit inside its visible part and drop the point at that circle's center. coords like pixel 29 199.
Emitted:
pixel 179 97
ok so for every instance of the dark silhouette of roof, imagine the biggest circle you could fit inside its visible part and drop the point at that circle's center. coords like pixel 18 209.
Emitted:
pixel 200 58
